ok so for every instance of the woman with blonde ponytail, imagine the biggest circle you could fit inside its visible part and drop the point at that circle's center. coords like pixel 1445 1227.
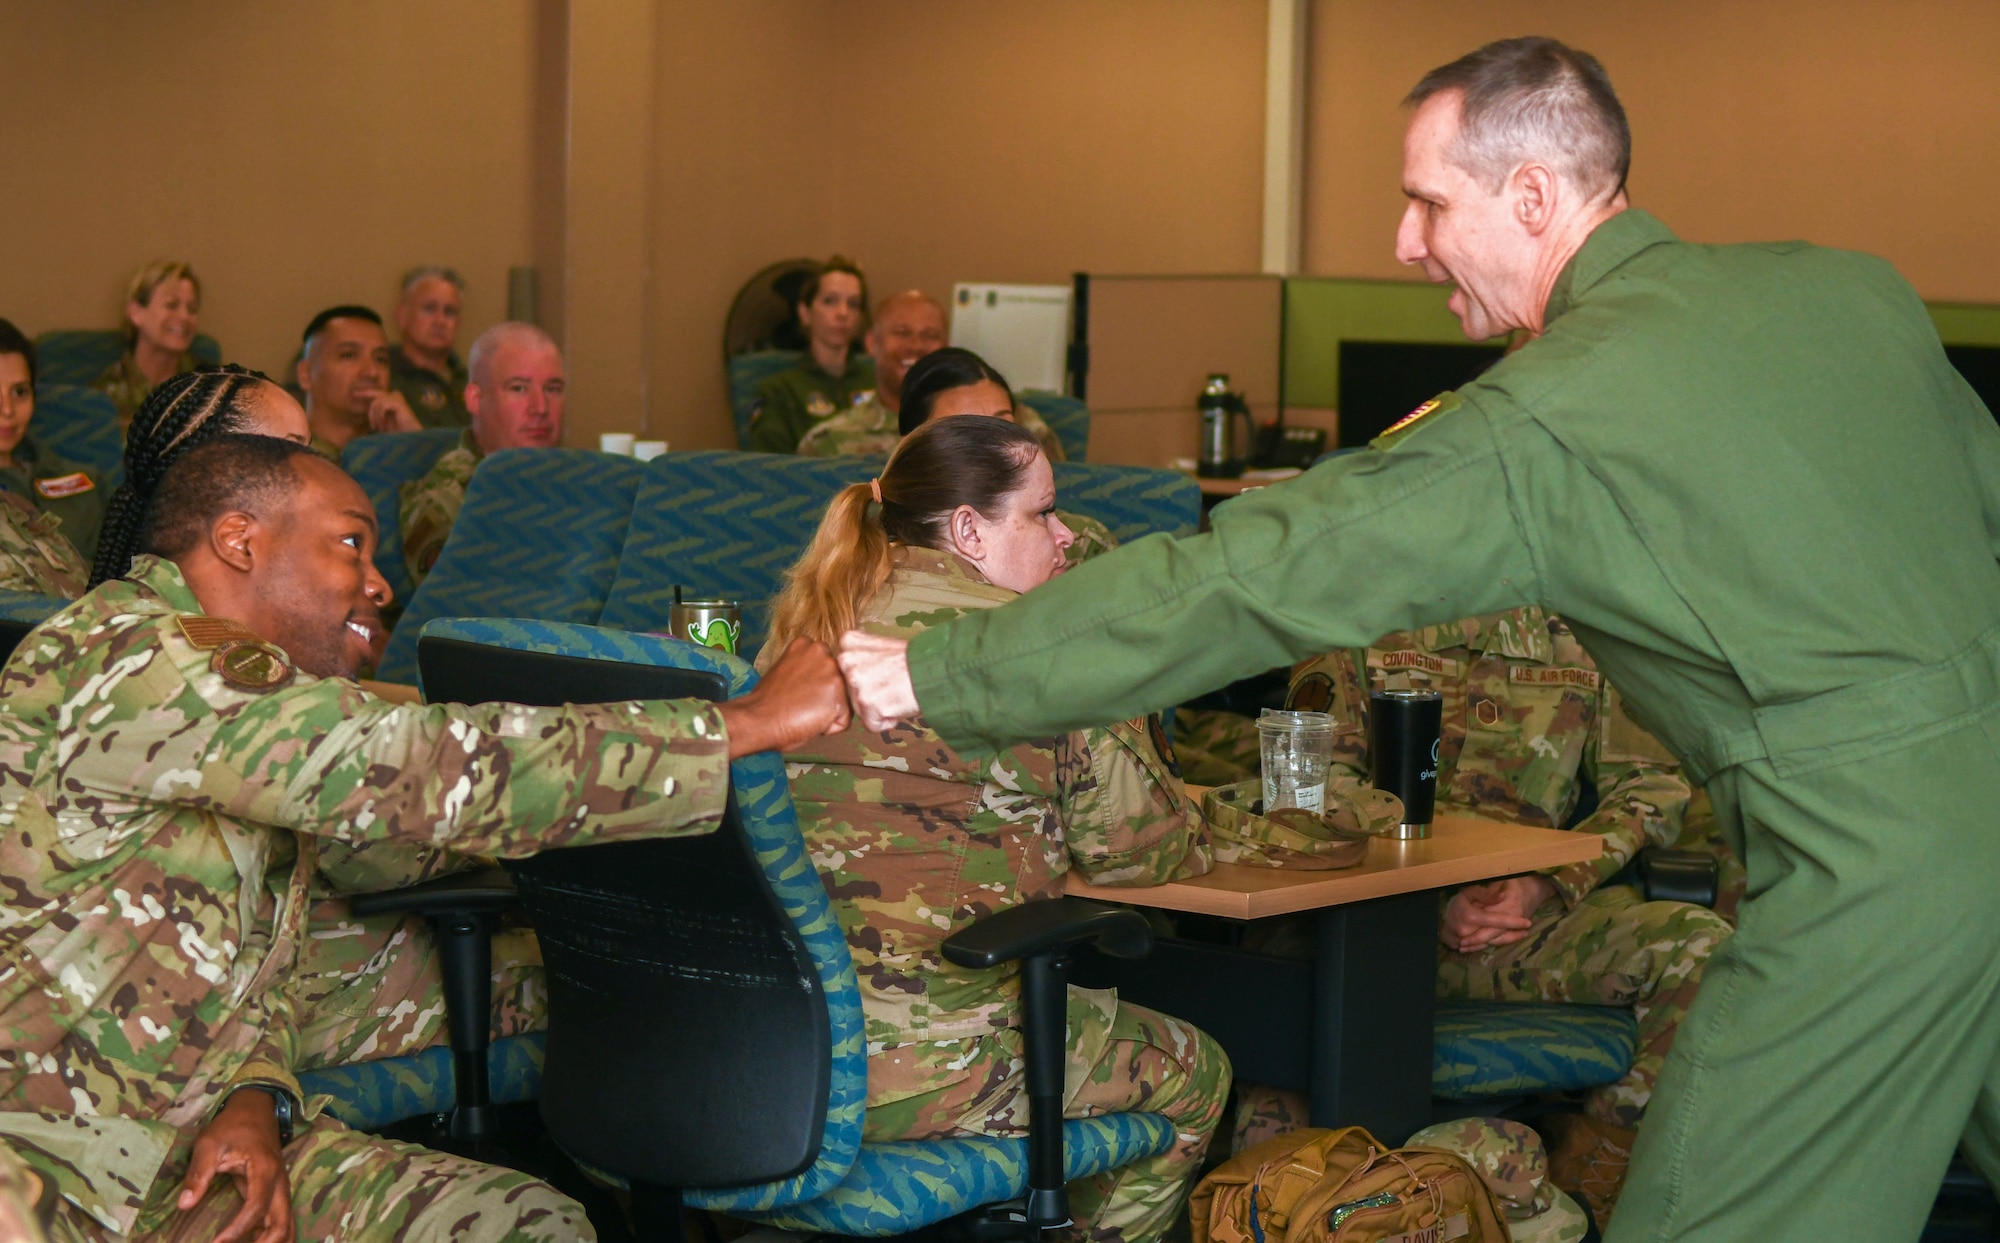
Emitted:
pixel 914 841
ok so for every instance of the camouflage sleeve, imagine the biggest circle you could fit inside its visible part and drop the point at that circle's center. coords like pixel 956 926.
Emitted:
pixel 428 512
pixel 1126 816
pixel 277 1050
pixel 1093 538
pixel 322 756
pixel 1641 794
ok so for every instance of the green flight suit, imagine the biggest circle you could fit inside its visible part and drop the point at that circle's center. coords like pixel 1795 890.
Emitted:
pixel 436 400
pixel 1770 509
pixel 791 403
pixel 56 485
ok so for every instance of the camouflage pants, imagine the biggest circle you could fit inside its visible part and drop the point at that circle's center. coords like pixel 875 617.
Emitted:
pixel 1122 1057
pixel 1614 949
pixel 371 988
pixel 350 1186
pixel 1216 748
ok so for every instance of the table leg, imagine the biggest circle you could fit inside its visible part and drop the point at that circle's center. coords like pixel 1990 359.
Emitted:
pixel 1374 977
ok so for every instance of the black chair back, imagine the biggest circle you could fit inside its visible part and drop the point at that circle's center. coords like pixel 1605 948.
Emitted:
pixel 688 1042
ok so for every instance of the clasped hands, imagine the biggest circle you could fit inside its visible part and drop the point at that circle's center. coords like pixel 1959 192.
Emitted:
pixel 1495 913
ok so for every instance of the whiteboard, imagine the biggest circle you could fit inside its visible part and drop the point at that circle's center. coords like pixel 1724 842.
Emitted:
pixel 1023 330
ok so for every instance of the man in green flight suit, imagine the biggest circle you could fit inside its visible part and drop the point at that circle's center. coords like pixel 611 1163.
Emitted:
pixel 424 367
pixel 181 752
pixel 1768 506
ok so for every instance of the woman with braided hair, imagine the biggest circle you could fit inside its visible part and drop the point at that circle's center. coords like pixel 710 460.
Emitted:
pixel 188 409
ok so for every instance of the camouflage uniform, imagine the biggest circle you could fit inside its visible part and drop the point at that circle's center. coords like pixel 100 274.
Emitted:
pixel 868 426
pixel 34 556
pixel 55 485
pixel 1514 1165
pixel 436 400
pixel 792 402
pixel 431 504
pixel 1528 719
pixel 128 387
pixel 914 841
pixel 1216 746
pixel 161 830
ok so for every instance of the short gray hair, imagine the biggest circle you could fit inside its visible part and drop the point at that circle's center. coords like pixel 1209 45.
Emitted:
pixel 432 271
pixel 480 358
pixel 1534 98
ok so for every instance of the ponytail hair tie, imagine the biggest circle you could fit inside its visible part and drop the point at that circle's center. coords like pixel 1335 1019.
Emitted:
pixel 875 488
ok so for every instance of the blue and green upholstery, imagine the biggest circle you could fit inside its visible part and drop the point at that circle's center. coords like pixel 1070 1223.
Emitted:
pixel 22 606
pixel 382 465
pixel 746 372
pixel 1067 417
pixel 539 536
pixel 1486 1049
pixel 724 526
pixel 80 355
pixel 1131 500
pixel 851 1188
pixel 81 424
pixel 370 1095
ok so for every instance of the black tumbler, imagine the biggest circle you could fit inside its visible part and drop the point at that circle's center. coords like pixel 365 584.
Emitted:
pixel 1404 728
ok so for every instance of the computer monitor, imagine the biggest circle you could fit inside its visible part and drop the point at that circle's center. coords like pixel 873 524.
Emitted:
pixel 1381 381
pixel 1980 365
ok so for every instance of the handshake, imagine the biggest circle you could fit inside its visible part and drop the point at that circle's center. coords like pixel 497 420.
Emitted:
pixel 809 692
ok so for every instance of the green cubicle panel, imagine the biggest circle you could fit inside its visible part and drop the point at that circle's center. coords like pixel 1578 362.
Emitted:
pixel 1966 323
pixel 1323 311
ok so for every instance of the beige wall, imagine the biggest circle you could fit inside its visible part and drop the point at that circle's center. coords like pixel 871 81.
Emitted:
pixel 988 140
pixel 1869 124
pixel 298 155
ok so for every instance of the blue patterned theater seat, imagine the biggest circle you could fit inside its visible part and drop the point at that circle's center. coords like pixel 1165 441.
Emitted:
pixel 746 372
pixel 1131 500
pixel 371 1095
pixel 82 425
pixel 725 526
pixel 1484 1049
pixel 80 355
pixel 382 465
pixel 540 536
pixel 1067 417
pixel 850 1188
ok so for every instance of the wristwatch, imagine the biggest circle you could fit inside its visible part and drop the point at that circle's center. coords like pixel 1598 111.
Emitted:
pixel 282 1105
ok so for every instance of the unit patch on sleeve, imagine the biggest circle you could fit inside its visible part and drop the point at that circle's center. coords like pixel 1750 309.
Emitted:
pixel 55 487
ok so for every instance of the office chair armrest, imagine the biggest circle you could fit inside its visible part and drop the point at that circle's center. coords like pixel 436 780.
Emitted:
pixel 1035 928
pixel 1680 876
pixel 480 891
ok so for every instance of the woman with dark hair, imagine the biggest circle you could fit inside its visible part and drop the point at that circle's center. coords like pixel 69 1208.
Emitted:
pixel 32 471
pixel 833 311
pixel 189 409
pixel 35 556
pixel 914 841
pixel 162 310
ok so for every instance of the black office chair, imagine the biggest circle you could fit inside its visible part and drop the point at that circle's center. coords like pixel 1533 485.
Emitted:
pixel 704 1029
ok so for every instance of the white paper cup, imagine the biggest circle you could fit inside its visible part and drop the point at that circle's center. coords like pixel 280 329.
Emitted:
pixel 647 450
pixel 619 443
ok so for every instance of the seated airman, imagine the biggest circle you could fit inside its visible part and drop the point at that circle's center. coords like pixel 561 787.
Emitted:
pixel 55 491
pixel 163 853
pixel 1528 723
pixel 424 366
pixel 833 376
pixel 344 373
pixel 514 397
pixel 914 841
pixel 162 311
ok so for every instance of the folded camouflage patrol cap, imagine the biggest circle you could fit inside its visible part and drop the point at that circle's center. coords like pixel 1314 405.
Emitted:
pixel 1510 1157
pixel 1336 836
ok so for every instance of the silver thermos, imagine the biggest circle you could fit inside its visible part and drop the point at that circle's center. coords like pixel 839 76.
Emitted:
pixel 1222 455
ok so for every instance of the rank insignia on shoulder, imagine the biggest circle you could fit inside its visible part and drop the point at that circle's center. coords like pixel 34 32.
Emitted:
pixel 206 632
pixel 1442 403
pixel 55 487
pixel 818 405
pixel 251 665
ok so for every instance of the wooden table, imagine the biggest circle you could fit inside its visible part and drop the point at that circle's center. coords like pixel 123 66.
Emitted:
pixel 1352 1025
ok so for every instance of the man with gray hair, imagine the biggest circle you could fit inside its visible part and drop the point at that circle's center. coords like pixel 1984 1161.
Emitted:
pixel 424 367
pixel 1769 508
pixel 514 398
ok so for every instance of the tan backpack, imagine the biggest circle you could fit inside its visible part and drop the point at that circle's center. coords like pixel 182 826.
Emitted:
pixel 1345 1186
